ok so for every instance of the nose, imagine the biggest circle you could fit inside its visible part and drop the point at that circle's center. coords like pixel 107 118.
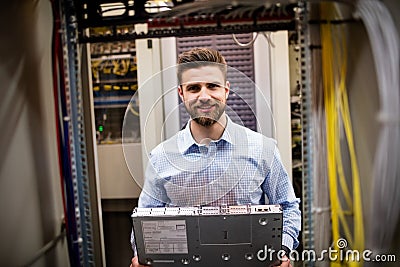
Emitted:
pixel 203 94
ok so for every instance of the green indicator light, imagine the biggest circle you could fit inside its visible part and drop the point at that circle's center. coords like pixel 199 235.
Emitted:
pixel 101 128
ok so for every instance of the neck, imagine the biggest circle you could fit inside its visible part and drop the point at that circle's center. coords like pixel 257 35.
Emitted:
pixel 204 135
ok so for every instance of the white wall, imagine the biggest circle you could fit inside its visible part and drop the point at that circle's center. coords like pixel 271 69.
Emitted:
pixel 150 90
pixel 273 78
pixel 170 81
pixel 30 190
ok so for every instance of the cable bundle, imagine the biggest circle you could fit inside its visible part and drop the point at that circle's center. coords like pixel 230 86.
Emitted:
pixel 338 123
pixel 385 199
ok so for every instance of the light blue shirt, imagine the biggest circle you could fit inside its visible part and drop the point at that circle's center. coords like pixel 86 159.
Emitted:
pixel 242 167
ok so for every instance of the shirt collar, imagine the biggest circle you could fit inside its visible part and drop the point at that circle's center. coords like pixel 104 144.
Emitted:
pixel 188 140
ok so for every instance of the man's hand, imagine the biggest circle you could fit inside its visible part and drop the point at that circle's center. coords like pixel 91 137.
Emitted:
pixel 135 262
pixel 284 262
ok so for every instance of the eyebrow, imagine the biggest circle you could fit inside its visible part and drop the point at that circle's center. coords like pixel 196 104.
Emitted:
pixel 192 83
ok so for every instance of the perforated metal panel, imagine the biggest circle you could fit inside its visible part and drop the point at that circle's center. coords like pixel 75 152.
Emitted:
pixel 79 208
pixel 241 99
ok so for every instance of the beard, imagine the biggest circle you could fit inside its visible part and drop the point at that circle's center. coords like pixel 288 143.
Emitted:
pixel 205 119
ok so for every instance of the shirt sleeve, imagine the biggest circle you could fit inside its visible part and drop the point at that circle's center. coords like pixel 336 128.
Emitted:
pixel 152 195
pixel 279 190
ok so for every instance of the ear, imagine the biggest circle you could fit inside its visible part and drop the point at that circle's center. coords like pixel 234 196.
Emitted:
pixel 180 92
pixel 227 89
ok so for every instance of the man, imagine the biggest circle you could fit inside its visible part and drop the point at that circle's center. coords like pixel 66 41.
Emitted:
pixel 214 161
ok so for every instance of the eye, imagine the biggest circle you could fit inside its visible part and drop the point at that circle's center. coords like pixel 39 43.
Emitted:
pixel 193 87
pixel 213 86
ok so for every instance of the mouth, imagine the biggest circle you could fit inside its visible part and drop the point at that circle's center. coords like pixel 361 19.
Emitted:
pixel 205 109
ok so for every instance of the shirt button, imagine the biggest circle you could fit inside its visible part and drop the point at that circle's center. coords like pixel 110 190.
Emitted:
pixel 203 150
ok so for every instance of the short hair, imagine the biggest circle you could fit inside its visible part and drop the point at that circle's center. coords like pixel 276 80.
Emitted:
pixel 199 57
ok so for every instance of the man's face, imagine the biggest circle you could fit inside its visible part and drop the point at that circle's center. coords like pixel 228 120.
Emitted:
pixel 204 92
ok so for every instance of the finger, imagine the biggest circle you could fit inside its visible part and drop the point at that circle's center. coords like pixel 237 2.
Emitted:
pixel 275 263
pixel 135 262
pixel 285 262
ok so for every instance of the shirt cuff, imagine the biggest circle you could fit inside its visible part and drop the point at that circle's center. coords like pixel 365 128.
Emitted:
pixel 287 240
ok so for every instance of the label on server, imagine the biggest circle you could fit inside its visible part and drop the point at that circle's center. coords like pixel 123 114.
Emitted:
pixel 165 237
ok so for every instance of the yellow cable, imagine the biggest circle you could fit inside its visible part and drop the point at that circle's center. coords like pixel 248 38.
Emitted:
pixel 341 62
pixel 330 104
pixel 338 78
pixel 95 68
pixel 344 109
pixel 337 113
pixel 116 69
pixel 358 214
